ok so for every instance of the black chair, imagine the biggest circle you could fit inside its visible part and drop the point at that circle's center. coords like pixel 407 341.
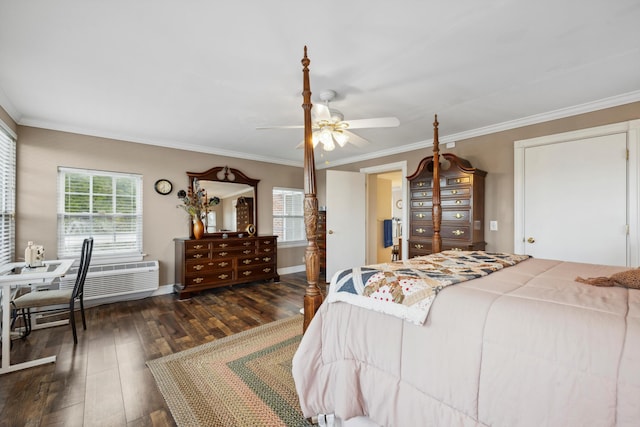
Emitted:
pixel 53 297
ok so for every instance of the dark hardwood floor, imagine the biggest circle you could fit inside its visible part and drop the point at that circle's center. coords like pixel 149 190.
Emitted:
pixel 103 381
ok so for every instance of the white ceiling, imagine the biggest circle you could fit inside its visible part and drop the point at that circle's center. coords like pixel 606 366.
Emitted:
pixel 202 75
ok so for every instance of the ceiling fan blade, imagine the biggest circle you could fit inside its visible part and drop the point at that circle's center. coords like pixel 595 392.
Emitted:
pixel 281 127
pixel 380 122
pixel 356 140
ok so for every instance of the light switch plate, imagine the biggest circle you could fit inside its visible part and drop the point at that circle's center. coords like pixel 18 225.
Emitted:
pixel 493 225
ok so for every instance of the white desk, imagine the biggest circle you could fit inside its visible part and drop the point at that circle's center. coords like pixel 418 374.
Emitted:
pixel 13 274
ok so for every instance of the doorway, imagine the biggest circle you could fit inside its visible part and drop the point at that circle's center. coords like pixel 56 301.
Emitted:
pixel 385 213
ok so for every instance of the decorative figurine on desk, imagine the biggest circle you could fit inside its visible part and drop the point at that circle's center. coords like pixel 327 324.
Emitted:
pixel 33 255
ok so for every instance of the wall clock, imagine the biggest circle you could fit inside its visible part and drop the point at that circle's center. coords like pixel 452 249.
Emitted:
pixel 163 186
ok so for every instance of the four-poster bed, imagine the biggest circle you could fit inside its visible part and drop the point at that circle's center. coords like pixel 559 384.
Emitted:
pixel 516 342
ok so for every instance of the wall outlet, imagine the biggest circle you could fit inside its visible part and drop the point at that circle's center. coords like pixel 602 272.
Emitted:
pixel 493 225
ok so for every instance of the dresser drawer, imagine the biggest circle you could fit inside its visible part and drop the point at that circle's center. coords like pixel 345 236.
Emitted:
pixel 197 266
pixel 231 252
pixel 256 271
pixel 210 278
pixel 196 246
pixel 421 215
pixel 421 203
pixel 462 232
pixel 462 192
pixel 462 215
pixel 266 242
pixel 421 183
pixel 455 202
pixel 233 244
pixel 421 194
pixel 457 180
pixel 197 254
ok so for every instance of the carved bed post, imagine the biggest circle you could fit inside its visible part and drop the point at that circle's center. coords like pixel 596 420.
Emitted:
pixel 436 210
pixel 313 296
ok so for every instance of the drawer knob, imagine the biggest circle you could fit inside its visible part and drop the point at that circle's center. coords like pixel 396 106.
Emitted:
pixel 223 276
pixel 458 232
pixel 197 256
pixel 459 215
pixel 267 249
pixel 198 280
pixel 420 215
pixel 424 194
pixel 266 259
pixel 223 253
pixel 223 264
pixel 458 202
pixel 418 246
pixel 247 243
pixel 266 270
pixel 246 273
pixel 420 204
pixel 198 267
pixel 421 184
pixel 223 245
pixel 420 230
pixel 247 261
pixel 454 191
pixel 198 246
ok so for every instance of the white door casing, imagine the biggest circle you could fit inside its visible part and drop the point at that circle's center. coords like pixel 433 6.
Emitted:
pixel 575 197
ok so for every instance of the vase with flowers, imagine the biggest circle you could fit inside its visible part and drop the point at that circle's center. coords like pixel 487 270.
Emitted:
pixel 196 203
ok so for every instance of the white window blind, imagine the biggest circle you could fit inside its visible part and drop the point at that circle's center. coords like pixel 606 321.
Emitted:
pixel 7 194
pixel 104 205
pixel 288 214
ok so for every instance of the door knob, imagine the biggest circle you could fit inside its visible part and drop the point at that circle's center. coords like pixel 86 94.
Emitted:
pixel 330 231
pixel 531 240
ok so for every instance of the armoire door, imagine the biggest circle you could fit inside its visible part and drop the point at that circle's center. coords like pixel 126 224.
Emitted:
pixel 574 196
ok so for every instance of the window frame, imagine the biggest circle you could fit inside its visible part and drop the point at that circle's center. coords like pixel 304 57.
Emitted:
pixel 281 241
pixel 107 248
pixel 8 165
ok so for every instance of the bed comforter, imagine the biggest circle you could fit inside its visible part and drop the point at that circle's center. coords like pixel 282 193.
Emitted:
pixel 524 346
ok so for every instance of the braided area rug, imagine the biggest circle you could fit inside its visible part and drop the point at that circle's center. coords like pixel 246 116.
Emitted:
pixel 240 380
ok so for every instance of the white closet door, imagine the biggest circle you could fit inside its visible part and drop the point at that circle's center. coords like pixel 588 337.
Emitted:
pixel 575 200
pixel 346 240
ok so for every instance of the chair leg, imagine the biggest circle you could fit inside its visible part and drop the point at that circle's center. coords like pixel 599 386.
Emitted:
pixel 72 320
pixel 26 320
pixel 84 322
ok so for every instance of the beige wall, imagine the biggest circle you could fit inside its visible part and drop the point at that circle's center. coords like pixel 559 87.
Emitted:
pixel 41 151
pixel 494 154
pixel 8 120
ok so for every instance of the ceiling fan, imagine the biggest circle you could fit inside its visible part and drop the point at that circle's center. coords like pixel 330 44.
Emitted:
pixel 329 127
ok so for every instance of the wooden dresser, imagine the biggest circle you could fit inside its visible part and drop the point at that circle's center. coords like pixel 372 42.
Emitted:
pixel 322 240
pixel 462 201
pixel 216 261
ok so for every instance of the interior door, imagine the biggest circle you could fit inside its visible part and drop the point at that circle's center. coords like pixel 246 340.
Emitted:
pixel 346 212
pixel 575 200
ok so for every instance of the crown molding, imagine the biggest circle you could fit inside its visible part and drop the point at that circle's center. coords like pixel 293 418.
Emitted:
pixel 588 107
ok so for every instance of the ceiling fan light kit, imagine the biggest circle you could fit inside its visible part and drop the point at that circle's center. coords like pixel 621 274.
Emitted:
pixel 330 128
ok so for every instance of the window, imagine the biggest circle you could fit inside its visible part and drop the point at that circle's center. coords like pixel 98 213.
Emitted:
pixel 288 214
pixel 104 205
pixel 7 193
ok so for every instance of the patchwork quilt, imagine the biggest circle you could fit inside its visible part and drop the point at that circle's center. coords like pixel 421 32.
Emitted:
pixel 407 289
